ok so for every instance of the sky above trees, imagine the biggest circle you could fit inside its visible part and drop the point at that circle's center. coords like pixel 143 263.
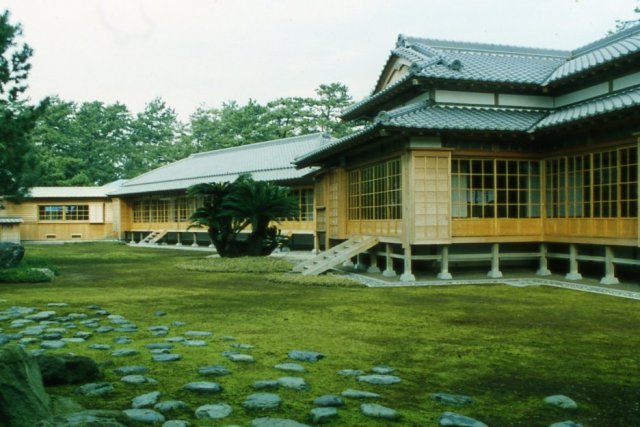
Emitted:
pixel 194 53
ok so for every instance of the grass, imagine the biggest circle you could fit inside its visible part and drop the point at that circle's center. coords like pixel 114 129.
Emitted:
pixel 506 347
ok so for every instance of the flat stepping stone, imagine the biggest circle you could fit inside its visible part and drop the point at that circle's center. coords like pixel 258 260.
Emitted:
pixel 160 351
pixel 43 315
pixel 137 379
pixel 265 384
pixel 203 387
pixel 294 383
pixel 305 356
pixel 194 343
pixel 457 420
pixel 122 340
pixel 158 346
pixel 379 379
pixel 383 370
pixel 160 313
pixel 568 423
pixel 452 399
pixel 215 370
pixel 262 401
pixel 378 411
pixel 158 328
pixel 275 422
pixel 145 416
pixel 321 415
pixel 49 336
pixel 560 401
pixel 27 340
pixel 95 389
pixel 100 347
pixel 73 340
pixel 33 330
pixel 57 304
pixel 328 400
pixel 176 423
pixel 131 369
pixel 52 345
pixel 293 367
pixel 171 357
pixel 228 338
pixel 147 399
pixel 350 372
pixel 170 405
pixel 241 358
pixel 242 346
pixel 178 323
pixel 215 411
pixel 124 352
pixel 359 394
pixel 198 334
pixel 174 339
pixel 125 329
pixel 103 329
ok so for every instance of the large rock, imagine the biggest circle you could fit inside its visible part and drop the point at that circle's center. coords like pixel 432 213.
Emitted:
pixel 10 254
pixel 67 369
pixel 23 401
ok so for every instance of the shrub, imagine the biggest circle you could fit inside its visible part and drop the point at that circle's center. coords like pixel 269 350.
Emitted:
pixel 329 280
pixel 24 275
pixel 238 265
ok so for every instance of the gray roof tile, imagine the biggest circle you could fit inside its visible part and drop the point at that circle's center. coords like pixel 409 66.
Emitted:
pixel 265 161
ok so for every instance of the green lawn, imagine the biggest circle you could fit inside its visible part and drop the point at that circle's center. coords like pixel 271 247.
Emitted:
pixel 506 347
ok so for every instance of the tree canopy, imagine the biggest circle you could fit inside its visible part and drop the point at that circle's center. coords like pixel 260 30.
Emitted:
pixel 18 165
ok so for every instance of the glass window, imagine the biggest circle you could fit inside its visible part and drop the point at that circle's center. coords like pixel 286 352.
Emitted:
pixel 375 192
pixel 63 212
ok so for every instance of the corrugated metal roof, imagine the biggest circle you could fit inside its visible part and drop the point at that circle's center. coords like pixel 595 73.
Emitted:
pixel 449 117
pixel 10 220
pixel 591 108
pixel 265 161
pixel 74 192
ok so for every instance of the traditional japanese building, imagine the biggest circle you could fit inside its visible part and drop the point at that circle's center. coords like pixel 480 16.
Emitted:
pixel 487 154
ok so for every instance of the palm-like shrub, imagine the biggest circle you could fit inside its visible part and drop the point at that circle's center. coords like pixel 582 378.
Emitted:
pixel 229 208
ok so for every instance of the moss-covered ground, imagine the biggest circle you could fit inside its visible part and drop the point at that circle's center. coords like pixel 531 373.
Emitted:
pixel 506 347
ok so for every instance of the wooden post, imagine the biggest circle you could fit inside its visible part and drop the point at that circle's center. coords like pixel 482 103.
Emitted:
pixel 495 272
pixel 388 271
pixel 373 268
pixel 179 243
pixel 444 264
pixel 195 240
pixel 407 276
pixel 573 264
pixel 543 269
pixel 609 270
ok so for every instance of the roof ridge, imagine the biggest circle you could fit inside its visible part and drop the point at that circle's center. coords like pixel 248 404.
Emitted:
pixel 384 117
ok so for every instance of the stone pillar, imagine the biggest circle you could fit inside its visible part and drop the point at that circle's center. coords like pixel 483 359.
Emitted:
pixel 609 269
pixel 543 269
pixel 388 271
pixel 359 264
pixel 316 244
pixel 573 264
pixel 348 263
pixel 133 238
pixel 179 242
pixel 373 268
pixel 444 264
pixel 495 272
pixel 195 240
pixel 407 275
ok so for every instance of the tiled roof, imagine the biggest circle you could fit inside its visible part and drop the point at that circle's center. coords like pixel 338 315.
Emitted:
pixel 265 161
pixel 74 192
pixel 11 220
pixel 593 107
pixel 609 49
pixel 449 117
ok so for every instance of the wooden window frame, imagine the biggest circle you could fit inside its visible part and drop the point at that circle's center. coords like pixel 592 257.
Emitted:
pixel 375 191
pixel 63 213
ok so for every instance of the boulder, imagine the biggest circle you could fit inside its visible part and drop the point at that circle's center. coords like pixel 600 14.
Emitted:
pixel 10 254
pixel 23 401
pixel 67 369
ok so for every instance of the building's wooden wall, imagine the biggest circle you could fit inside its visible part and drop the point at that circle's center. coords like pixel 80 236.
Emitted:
pixel 10 233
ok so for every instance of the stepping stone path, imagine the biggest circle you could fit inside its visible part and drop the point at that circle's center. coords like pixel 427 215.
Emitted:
pixel 194 343
pixel 122 340
pixel 147 399
pixel 560 401
pixel 171 357
pixel 131 369
pixel 137 379
pixel 215 411
pixel 275 422
pixel 241 358
pixel 264 384
pixel 50 336
pixel 124 352
pixel 321 415
pixel 359 394
pixel 452 399
pixel 294 367
pixel 100 347
pixel 203 387
pixel 305 356
pixel 158 346
pixel 95 389
pixel 43 315
pixel 328 400
pixel 52 345
pixel 379 379
pixel 104 329
pixel 383 370
pixel 378 411
pixel 198 334
pixel 216 370
pixel 294 383
pixel 170 405
pixel 146 416
pixel 457 420
pixel 350 372
pixel 174 339
pixel 262 401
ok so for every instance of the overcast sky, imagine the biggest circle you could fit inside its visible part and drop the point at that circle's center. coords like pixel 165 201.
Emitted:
pixel 205 52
